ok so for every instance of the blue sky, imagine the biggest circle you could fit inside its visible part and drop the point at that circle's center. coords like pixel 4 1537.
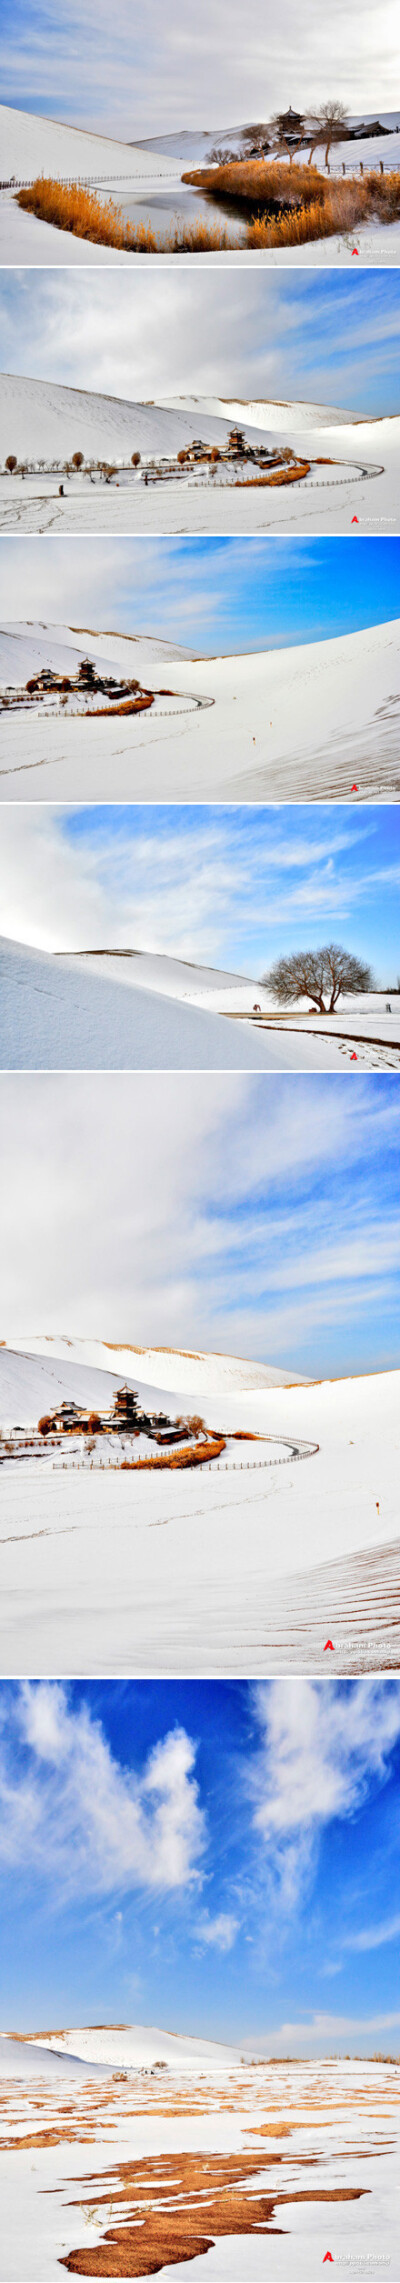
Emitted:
pixel 213 594
pixel 139 71
pixel 259 1217
pixel 231 887
pixel 326 336
pixel 208 1856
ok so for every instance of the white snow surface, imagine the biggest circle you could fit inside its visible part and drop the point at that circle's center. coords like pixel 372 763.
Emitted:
pixel 20 2059
pixel 163 1372
pixel 79 1014
pixel 31 145
pixel 318 721
pixel 26 647
pixel 45 419
pixel 136 2046
pixel 257 1558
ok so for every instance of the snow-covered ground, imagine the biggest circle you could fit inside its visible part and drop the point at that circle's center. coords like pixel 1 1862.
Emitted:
pixel 354 474
pixel 148 176
pixel 260 2168
pixel 319 721
pixel 110 1011
pixel 253 1566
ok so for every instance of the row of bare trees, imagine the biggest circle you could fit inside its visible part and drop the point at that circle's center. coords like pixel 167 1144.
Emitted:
pixel 284 136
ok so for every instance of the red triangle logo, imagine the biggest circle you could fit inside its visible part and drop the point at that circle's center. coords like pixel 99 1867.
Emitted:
pixel 328 1645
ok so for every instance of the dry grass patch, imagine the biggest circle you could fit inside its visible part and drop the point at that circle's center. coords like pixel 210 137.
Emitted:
pixel 195 1456
pixel 279 476
pixel 69 206
pixel 312 205
pixel 128 705
pixel 254 182
pixel 177 2206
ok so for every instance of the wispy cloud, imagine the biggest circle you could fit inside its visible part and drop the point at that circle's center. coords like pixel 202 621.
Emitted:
pixel 320 1751
pixel 217 1933
pixel 252 334
pixel 81 1821
pixel 188 69
pixel 233 1189
pixel 204 884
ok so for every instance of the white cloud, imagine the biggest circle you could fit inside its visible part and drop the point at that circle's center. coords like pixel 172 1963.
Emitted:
pixel 328 2033
pixel 157 1208
pixel 321 1748
pixel 373 1937
pixel 217 1933
pixel 200 894
pixel 81 1820
pixel 187 68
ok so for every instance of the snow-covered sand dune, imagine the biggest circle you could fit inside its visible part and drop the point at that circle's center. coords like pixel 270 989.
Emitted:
pixel 19 2058
pixel 32 145
pixel 253 1563
pixel 26 645
pixel 45 421
pixel 318 721
pixel 129 2045
pixel 72 1012
pixel 47 1371
pixel 231 2155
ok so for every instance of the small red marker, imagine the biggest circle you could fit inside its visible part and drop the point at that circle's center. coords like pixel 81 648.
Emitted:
pixel 354 788
pixel 354 518
pixel 354 250
pixel 328 1645
pixel 354 1058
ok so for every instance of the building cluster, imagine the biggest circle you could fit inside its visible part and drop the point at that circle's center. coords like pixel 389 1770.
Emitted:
pixel 124 1418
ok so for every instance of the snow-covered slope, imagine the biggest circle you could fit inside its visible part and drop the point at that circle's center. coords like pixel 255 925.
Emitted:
pixel 80 1014
pixel 268 415
pixel 162 1370
pixel 20 2058
pixel 133 1010
pixel 42 419
pixel 26 648
pixel 31 145
pixel 320 720
pixel 31 1384
pixel 126 2045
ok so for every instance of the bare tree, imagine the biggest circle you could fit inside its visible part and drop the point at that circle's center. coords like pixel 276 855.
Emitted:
pixel 256 139
pixel 318 975
pixel 221 155
pixel 326 126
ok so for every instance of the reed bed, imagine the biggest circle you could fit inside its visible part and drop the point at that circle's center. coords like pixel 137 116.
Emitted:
pixel 314 208
pixel 69 206
pixel 279 476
